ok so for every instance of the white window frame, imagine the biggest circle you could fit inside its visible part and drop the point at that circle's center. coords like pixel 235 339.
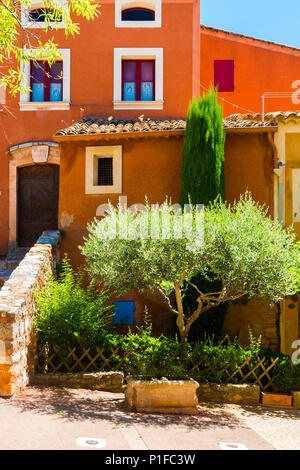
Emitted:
pixel 35 4
pixel 27 105
pixel 92 154
pixel 154 5
pixel 138 54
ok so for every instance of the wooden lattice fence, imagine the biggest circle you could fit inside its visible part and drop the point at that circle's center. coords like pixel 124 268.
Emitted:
pixel 79 359
pixel 252 370
pixel 259 373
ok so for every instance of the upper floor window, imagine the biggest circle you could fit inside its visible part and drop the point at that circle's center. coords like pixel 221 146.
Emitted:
pixel 46 82
pixel 137 14
pixel 40 15
pixel 138 80
pixel 49 85
pixel 224 75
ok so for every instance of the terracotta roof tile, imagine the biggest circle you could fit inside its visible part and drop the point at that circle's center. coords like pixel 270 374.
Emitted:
pixel 92 125
pixel 98 125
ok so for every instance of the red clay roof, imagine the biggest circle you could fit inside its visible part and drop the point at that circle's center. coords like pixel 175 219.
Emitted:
pixel 243 36
pixel 100 125
pixel 94 125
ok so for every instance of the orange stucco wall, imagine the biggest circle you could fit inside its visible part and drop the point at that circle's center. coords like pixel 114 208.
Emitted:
pixel 92 80
pixel 249 166
pixel 259 67
pixel 152 167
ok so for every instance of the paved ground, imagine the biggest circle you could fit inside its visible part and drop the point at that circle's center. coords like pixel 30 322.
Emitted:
pixel 53 418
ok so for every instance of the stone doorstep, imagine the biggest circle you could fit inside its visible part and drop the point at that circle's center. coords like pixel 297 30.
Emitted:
pixel 109 381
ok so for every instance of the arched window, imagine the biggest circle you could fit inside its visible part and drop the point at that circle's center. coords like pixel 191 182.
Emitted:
pixel 138 14
pixel 38 15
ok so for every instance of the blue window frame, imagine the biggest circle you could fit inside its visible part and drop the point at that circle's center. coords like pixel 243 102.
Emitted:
pixel 124 313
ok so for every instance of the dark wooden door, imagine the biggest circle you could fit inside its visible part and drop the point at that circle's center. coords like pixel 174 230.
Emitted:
pixel 37 201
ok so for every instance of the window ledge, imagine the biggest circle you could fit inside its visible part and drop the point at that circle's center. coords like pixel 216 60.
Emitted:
pixel 138 24
pixel 42 25
pixel 138 104
pixel 44 105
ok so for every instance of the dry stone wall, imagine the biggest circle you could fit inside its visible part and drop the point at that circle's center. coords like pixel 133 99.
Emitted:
pixel 17 310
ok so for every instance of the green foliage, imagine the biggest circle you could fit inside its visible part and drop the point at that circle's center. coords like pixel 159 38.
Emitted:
pixel 295 269
pixel 286 375
pixel 69 315
pixel 237 245
pixel 203 152
pixel 141 354
pixel 17 42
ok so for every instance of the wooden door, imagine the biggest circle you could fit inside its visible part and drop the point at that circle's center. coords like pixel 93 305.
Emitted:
pixel 37 202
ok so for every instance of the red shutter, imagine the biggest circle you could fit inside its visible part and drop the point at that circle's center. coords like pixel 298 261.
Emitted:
pixel 224 75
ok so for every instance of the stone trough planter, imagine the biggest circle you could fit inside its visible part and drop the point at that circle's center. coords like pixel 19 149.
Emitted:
pixel 162 396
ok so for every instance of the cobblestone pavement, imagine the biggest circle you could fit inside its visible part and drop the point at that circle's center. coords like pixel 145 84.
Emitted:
pixel 56 418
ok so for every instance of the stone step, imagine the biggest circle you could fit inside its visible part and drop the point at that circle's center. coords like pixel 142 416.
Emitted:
pixel 4 276
pixel 17 253
pixel 13 263
pixel 3 265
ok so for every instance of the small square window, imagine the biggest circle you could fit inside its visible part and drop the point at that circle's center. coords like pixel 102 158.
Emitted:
pixel 224 75
pixel 124 313
pixel 103 171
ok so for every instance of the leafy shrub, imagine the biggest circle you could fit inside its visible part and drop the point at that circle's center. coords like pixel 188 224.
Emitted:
pixel 68 314
pixel 286 375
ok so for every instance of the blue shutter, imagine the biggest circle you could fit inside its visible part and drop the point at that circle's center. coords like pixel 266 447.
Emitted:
pixel 124 313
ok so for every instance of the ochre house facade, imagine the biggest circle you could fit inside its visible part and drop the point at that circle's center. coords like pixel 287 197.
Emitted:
pixel 107 120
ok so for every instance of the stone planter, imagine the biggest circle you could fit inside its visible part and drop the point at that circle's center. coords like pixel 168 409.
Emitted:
pixel 296 399
pixel 276 399
pixel 162 396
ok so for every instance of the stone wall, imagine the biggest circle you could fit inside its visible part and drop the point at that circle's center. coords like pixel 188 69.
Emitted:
pixel 17 310
pixel 261 317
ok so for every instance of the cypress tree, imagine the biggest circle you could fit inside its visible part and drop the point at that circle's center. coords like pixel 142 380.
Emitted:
pixel 203 152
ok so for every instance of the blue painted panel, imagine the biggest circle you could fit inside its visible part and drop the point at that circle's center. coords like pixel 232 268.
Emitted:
pixel 37 92
pixel 147 91
pixel 124 313
pixel 55 92
pixel 129 91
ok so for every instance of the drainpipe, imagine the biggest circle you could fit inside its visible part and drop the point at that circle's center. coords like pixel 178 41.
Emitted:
pixel 279 172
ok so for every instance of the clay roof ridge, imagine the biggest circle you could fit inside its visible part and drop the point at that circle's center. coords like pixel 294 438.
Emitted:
pixel 211 28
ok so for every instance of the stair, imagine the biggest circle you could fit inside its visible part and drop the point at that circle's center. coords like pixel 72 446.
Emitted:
pixel 8 265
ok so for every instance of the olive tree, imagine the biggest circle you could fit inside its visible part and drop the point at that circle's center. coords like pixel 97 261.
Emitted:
pixel 161 247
